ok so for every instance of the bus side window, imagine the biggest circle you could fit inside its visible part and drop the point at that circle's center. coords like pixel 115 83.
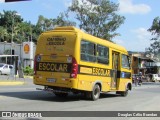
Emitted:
pixel 125 62
pixel 102 54
pixel 88 51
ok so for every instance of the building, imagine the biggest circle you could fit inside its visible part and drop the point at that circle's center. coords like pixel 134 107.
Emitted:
pixel 24 51
pixel 143 64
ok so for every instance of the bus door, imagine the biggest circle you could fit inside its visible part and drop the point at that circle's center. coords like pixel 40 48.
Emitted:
pixel 115 66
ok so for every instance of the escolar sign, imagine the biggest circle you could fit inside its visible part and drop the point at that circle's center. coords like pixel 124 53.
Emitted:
pixel 53 67
pixel 95 71
pixel 101 72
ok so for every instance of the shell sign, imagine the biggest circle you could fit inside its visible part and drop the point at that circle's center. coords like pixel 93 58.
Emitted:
pixel 26 48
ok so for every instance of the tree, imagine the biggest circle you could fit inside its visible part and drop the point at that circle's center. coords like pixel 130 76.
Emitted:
pixel 35 32
pixel 3 34
pixel 11 24
pixel 97 17
pixel 9 20
pixel 154 49
pixel 42 23
pixel 48 24
pixel 62 20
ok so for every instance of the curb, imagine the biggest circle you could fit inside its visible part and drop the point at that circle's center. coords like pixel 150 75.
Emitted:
pixel 144 87
pixel 12 83
pixel 31 77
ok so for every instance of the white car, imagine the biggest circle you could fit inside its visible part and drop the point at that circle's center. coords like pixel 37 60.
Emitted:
pixel 156 77
pixel 5 68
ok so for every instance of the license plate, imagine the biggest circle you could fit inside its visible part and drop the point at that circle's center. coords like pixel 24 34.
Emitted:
pixel 51 80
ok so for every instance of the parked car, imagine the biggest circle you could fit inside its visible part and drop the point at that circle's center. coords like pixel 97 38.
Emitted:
pixel 5 68
pixel 155 77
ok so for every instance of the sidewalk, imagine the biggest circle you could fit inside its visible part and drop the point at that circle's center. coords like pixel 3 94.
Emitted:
pixel 11 80
pixel 146 85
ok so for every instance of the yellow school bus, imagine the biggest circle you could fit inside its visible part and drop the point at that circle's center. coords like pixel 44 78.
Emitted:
pixel 70 60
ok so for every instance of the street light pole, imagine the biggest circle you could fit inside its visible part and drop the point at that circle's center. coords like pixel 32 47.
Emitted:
pixel 12 35
pixel 4 46
pixel 13 15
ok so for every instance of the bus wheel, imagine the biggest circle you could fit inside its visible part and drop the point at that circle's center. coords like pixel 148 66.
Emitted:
pixel 61 94
pixel 123 93
pixel 95 94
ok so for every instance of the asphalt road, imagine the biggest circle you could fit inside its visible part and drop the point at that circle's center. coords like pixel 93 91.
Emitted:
pixel 27 98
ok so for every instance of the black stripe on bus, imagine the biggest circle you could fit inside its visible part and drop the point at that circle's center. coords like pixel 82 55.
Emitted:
pixel 122 74
pixel 103 72
pixel 85 70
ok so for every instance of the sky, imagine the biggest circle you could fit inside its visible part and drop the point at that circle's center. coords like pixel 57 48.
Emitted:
pixel 134 36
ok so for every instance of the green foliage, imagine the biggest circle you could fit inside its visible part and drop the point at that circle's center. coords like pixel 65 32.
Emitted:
pixel 7 52
pixel 3 33
pixel 155 28
pixel 48 24
pixel 97 17
pixel 28 71
pixel 11 24
pixel 23 31
pixel 9 21
pixel 62 20
pixel 154 49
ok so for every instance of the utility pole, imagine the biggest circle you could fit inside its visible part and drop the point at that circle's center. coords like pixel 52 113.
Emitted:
pixel 13 16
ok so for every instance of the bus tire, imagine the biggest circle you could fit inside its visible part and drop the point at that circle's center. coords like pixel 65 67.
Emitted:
pixel 95 94
pixel 87 95
pixel 61 94
pixel 123 93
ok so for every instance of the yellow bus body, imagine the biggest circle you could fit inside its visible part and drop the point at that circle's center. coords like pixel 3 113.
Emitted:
pixel 54 56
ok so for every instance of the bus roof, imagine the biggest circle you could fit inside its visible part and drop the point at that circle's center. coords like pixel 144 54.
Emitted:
pixel 90 37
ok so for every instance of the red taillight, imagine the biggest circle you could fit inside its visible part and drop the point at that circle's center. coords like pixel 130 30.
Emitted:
pixel 37 58
pixel 74 70
pixel 35 61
